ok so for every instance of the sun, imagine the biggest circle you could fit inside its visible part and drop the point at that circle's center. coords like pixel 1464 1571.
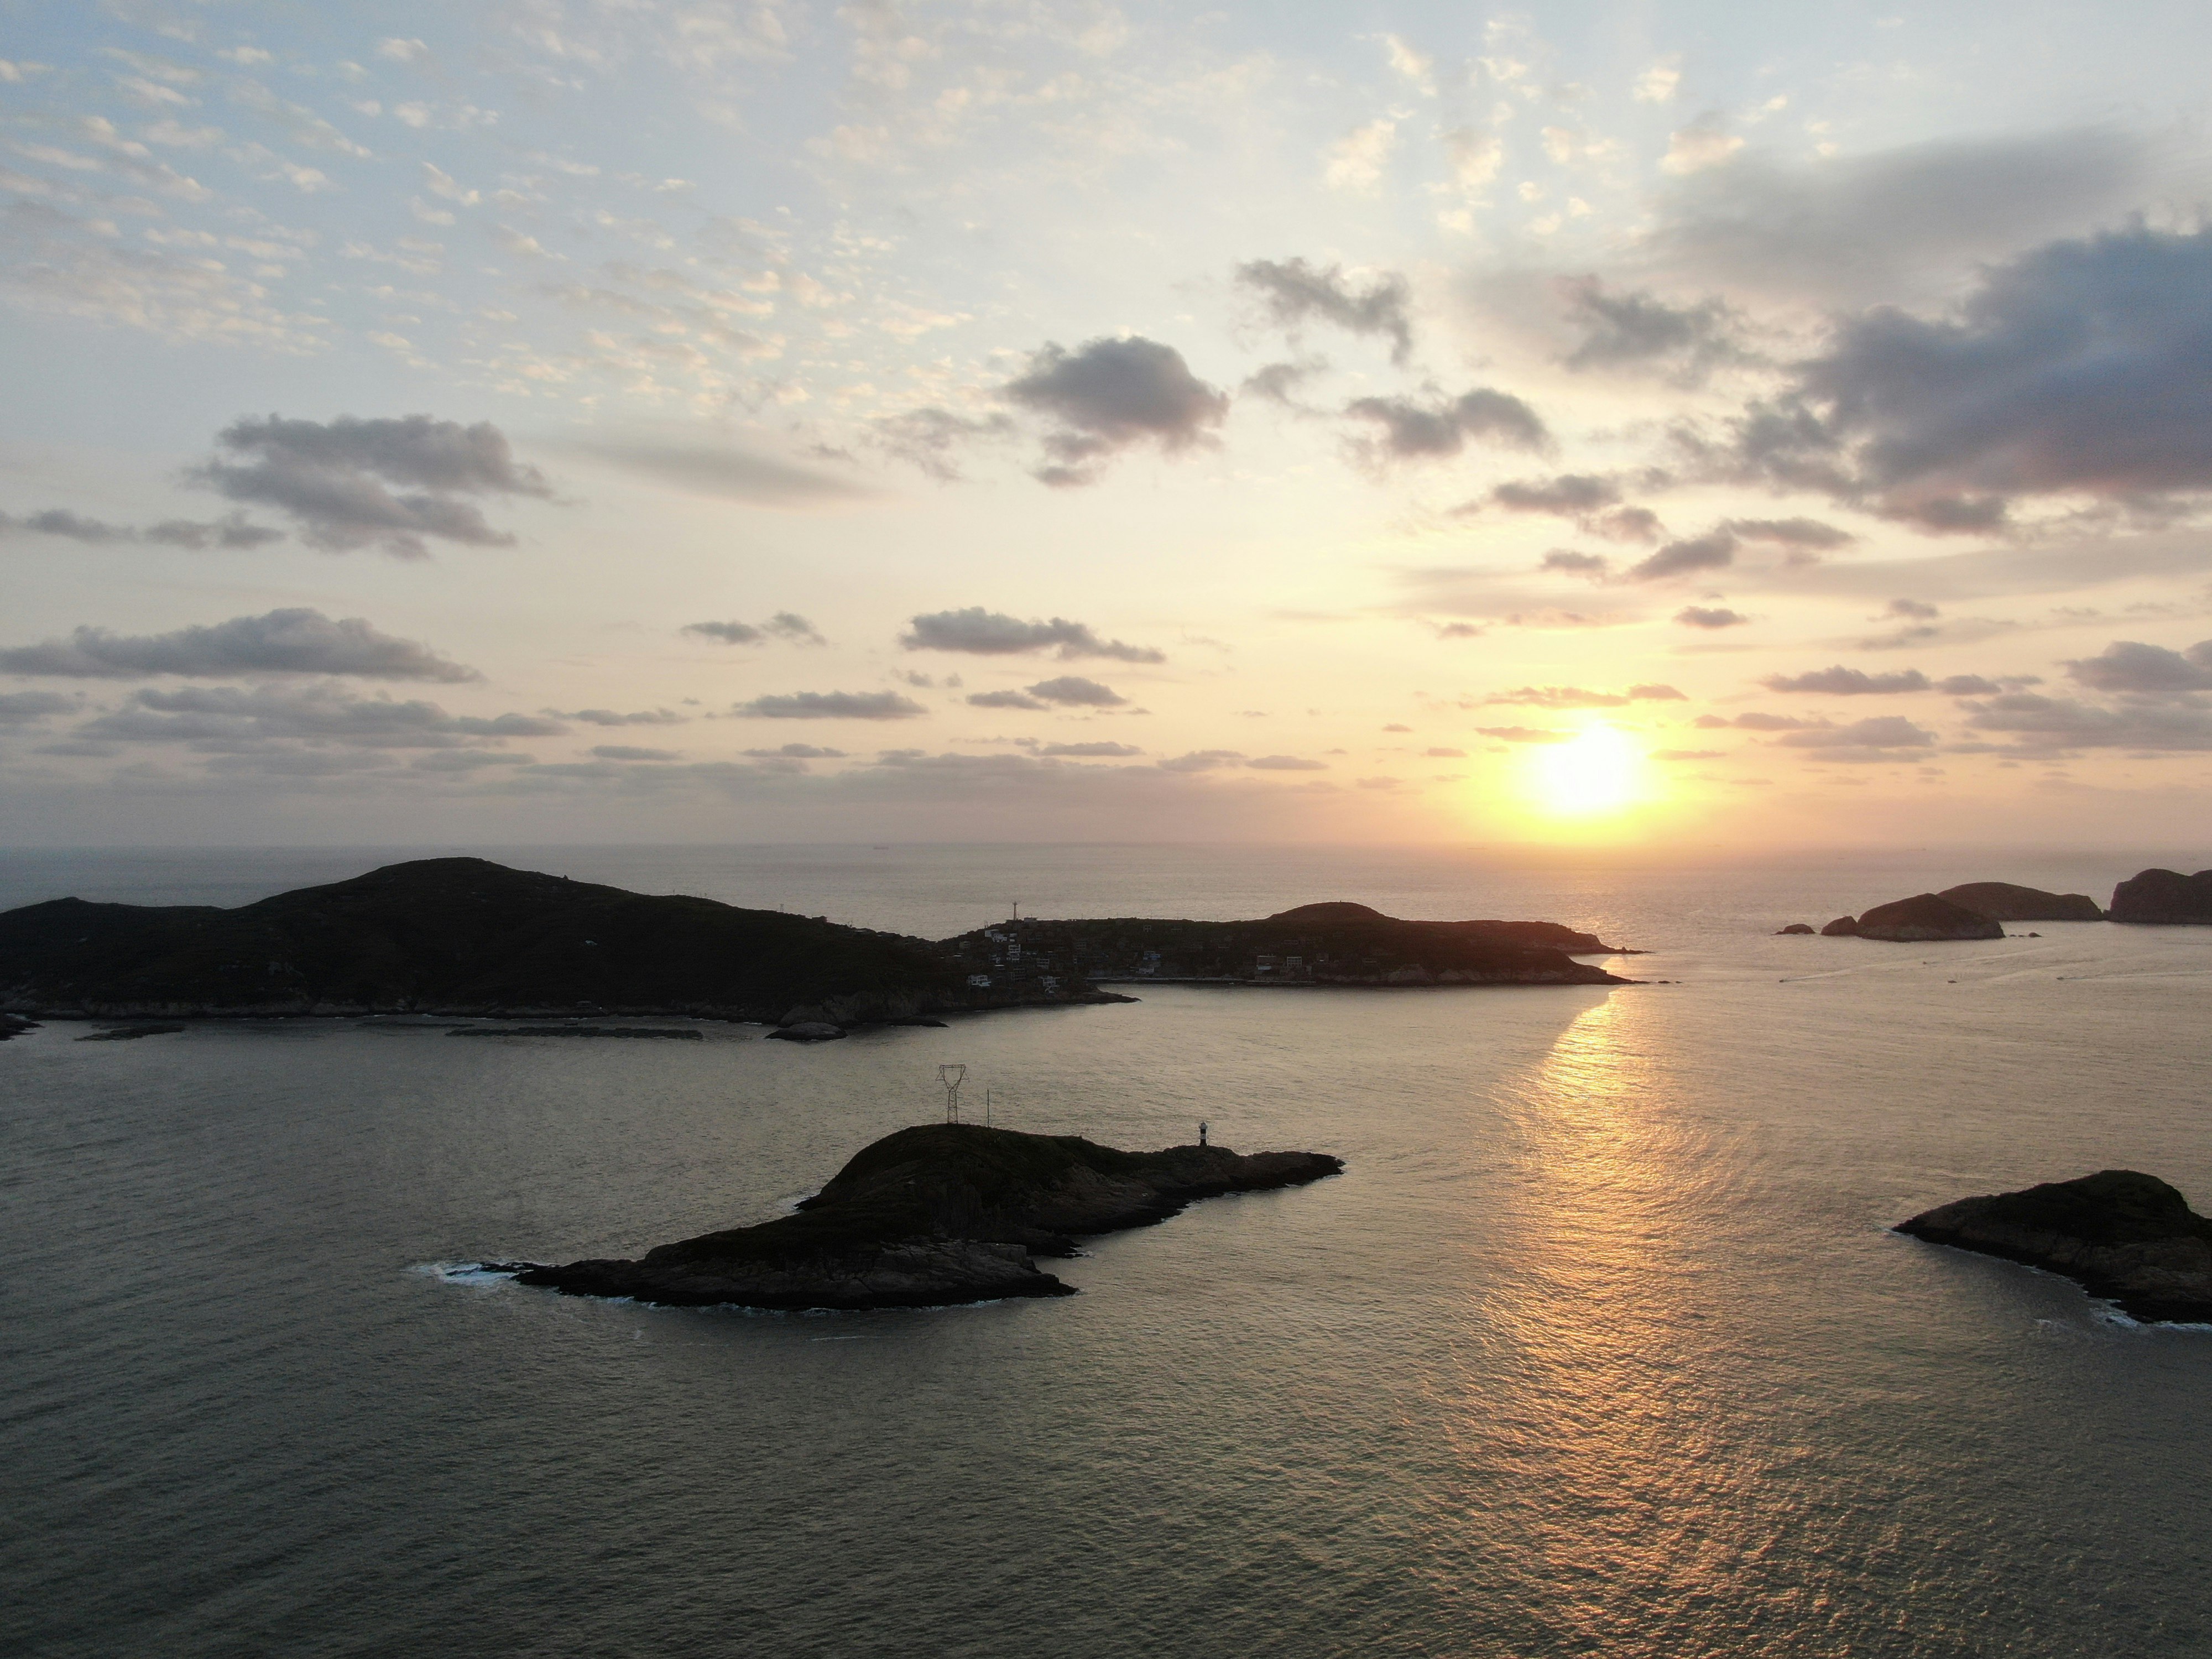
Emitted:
pixel 1598 771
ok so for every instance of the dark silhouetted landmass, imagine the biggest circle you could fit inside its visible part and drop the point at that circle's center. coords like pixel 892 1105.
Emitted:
pixel 1795 927
pixel 1841 927
pixel 14 1025
pixel 2002 901
pixel 678 1032
pixel 1925 917
pixel 1328 943
pixel 2123 1235
pixel 465 936
pixel 2164 896
pixel 934 1215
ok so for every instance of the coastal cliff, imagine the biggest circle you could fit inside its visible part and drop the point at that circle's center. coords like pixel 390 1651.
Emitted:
pixel 934 1215
pixel 2118 1233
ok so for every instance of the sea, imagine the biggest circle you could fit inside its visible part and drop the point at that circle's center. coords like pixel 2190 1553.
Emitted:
pixel 1601 1345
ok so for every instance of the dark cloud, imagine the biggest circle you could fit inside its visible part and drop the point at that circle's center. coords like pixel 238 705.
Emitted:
pixel 1278 382
pixel 1571 495
pixel 625 751
pixel 18 707
pixel 1627 524
pixel 1295 293
pixel 611 717
pixel 2044 724
pixel 1201 759
pixel 1884 733
pixel 1088 750
pixel 1854 231
pixel 931 439
pixel 1841 681
pixel 1706 616
pixel 1574 696
pixel 289 642
pixel 239 719
pixel 1422 431
pixel 833 706
pixel 231 531
pixel 2132 669
pixel 1915 609
pixel 1073 691
pixel 1642 332
pixel 1110 395
pixel 784 625
pixel 2081 368
pixel 1006 700
pixel 1802 536
pixel 795 751
pixel 1710 551
pixel 993 634
pixel 1286 764
pixel 1594 565
pixel 386 483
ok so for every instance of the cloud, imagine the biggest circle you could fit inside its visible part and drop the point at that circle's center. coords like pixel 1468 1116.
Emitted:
pixel 1442 428
pixel 833 706
pixel 289 641
pixel 1444 754
pixel 1356 159
pixel 930 438
pixel 795 751
pixel 1005 700
pixel 237 719
pixel 1885 732
pixel 610 717
pixel 1571 495
pixel 1710 551
pixel 1756 721
pixel 233 530
pixel 1841 681
pixel 1700 145
pixel 1111 395
pixel 1701 616
pixel 1849 231
pixel 1201 759
pixel 1641 332
pixel 1073 691
pixel 2133 669
pixel 1286 764
pixel 784 625
pixel 985 633
pixel 625 751
pixel 1804 537
pixel 2046 725
pixel 1915 609
pixel 386 483
pixel 1688 754
pixel 1088 750
pixel 727 472
pixel 19 708
pixel 1574 696
pixel 1295 293
pixel 1565 560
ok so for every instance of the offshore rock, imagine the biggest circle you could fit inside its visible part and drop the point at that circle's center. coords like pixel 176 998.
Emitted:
pixel 1794 927
pixel 1841 927
pixel 809 1030
pixel 2118 1233
pixel 2001 901
pixel 13 1025
pixel 1925 917
pixel 937 1215
pixel 2164 896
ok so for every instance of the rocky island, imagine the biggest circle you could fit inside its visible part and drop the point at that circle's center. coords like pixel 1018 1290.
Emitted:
pixel 465 937
pixel 2004 901
pixel 935 1215
pixel 2165 897
pixel 1916 920
pixel 2120 1233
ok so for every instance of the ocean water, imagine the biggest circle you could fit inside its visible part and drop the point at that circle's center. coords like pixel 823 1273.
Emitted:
pixel 1599 1345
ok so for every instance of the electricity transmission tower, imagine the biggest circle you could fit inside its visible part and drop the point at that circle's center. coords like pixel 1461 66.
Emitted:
pixel 950 1077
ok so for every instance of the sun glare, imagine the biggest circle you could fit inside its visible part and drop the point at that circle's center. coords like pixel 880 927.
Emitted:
pixel 1599 771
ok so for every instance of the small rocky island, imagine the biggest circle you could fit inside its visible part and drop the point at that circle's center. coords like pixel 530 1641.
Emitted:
pixel 2120 1233
pixel 2164 897
pixel 935 1215
pixel 1916 920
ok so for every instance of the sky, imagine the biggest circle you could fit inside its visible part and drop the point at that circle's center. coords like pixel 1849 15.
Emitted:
pixel 1662 424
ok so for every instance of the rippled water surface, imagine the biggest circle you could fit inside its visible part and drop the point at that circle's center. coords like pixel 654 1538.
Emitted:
pixel 1599 1345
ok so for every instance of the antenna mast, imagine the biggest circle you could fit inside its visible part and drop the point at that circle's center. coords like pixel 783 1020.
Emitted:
pixel 950 1077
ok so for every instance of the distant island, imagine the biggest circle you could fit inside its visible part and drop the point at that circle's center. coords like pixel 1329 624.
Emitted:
pixel 2165 897
pixel 1975 910
pixel 466 937
pixel 2119 1233
pixel 935 1215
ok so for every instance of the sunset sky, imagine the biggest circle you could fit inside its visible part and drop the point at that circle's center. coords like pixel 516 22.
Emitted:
pixel 670 420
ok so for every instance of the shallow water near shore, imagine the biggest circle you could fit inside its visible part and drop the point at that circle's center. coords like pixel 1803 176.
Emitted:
pixel 1599 1345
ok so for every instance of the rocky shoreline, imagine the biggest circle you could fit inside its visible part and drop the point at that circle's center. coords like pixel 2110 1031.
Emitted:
pixel 932 1216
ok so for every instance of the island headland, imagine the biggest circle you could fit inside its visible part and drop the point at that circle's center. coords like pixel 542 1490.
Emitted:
pixel 935 1215
pixel 2165 897
pixel 466 937
pixel 1974 910
pixel 2118 1233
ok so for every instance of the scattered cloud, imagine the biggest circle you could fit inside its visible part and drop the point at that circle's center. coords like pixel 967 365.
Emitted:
pixel 610 717
pixel 1088 750
pixel 2132 669
pixel 1073 691
pixel 1297 293
pixel 1574 696
pixel 1706 616
pixel 1523 733
pixel 795 751
pixel 1841 681
pixel 1286 764
pixel 1885 732
pixel 241 720
pixel 231 531
pixel 728 471
pixel 1711 551
pixel 1441 427
pixel 625 752
pixel 985 633
pixel 833 706
pixel 1111 395
pixel 1642 332
pixel 296 640
pixel 784 625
